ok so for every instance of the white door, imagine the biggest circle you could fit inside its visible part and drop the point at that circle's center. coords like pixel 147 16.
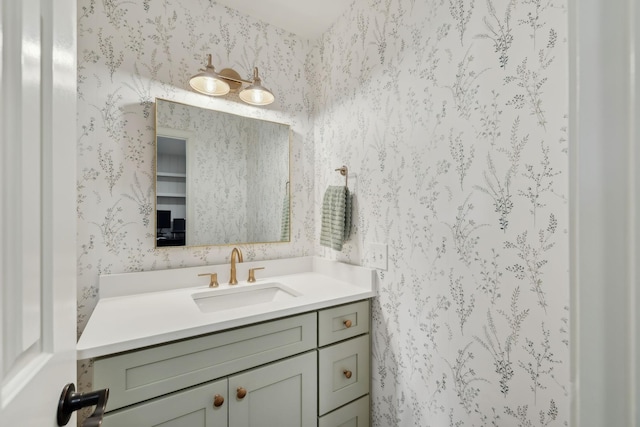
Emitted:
pixel 37 214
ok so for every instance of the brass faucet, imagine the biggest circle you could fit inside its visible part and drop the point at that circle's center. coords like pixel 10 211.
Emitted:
pixel 235 254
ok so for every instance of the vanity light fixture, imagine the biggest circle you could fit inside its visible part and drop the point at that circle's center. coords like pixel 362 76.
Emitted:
pixel 255 93
pixel 210 82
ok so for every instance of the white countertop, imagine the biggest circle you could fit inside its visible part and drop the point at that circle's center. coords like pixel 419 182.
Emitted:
pixel 149 308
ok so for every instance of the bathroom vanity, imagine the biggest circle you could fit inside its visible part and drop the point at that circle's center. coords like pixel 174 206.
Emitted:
pixel 290 349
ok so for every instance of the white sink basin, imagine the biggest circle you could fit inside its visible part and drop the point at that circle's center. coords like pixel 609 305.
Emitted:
pixel 242 296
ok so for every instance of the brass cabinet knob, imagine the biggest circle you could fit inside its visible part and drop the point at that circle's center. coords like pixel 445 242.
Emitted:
pixel 218 400
pixel 252 274
pixel 347 373
pixel 347 323
pixel 242 392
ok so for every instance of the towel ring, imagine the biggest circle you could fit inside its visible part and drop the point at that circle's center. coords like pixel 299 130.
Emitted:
pixel 344 171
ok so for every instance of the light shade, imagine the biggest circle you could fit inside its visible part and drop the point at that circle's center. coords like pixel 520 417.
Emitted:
pixel 209 82
pixel 256 94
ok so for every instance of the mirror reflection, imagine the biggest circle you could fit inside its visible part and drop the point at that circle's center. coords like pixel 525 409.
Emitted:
pixel 220 178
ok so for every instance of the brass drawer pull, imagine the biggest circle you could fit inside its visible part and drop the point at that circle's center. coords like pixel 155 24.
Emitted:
pixel 347 323
pixel 242 392
pixel 218 400
pixel 347 373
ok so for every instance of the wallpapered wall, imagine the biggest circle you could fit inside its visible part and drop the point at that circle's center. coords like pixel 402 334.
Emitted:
pixel 451 115
pixel 129 53
pixel 236 175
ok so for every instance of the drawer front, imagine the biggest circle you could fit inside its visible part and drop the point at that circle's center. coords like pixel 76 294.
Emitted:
pixel 193 408
pixel 343 373
pixel 355 414
pixel 339 323
pixel 145 374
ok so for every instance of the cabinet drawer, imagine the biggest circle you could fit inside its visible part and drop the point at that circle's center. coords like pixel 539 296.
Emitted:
pixel 343 373
pixel 355 414
pixel 145 374
pixel 345 321
pixel 193 408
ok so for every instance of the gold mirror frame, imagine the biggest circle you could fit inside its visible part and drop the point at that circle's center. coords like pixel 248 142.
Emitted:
pixel 233 186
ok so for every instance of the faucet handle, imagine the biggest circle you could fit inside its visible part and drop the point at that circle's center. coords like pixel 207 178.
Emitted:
pixel 252 274
pixel 213 279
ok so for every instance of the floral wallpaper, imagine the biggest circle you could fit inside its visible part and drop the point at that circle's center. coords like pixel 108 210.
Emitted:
pixel 451 116
pixel 236 175
pixel 131 52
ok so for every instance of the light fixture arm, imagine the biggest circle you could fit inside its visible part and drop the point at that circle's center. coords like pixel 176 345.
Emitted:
pixel 238 80
pixel 234 79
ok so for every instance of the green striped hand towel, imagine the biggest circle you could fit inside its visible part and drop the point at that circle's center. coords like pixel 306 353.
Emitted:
pixel 285 226
pixel 336 217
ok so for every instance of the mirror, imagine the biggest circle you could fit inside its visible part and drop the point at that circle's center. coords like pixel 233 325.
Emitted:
pixel 220 178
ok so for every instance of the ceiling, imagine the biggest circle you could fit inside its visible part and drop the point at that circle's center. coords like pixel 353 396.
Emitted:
pixel 306 18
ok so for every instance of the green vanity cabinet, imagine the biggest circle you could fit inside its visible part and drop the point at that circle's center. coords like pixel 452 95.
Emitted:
pixel 279 394
pixel 306 370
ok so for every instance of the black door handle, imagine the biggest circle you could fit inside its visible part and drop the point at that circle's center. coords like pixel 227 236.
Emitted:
pixel 71 401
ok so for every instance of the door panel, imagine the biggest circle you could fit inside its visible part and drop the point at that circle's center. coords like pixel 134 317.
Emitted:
pixel 37 262
pixel 282 394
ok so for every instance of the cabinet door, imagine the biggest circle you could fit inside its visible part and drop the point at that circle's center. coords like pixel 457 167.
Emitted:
pixel 203 406
pixel 282 394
